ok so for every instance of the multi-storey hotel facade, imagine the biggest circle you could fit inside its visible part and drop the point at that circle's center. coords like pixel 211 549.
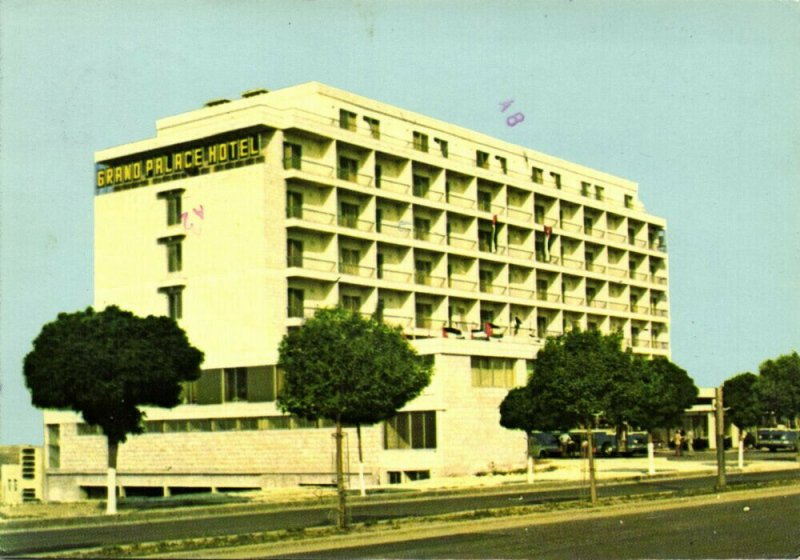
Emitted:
pixel 241 218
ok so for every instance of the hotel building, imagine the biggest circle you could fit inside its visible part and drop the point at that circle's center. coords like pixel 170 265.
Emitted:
pixel 242 218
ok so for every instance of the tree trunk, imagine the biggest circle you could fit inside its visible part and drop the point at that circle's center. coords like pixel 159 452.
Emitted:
pixel 651 454
pixel 742 435
pixel 361 482
pixel 341 509
pixel 592 478
pixel 530 461
pixel 111 480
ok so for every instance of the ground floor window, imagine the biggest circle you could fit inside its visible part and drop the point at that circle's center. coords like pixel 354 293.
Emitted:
pixel 492 372
pixel 411 430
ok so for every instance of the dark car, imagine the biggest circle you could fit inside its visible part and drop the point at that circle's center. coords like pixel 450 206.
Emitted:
pixel 777 439
pixel 543 444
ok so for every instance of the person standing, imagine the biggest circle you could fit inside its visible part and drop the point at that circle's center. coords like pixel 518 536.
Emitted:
pixel 678 440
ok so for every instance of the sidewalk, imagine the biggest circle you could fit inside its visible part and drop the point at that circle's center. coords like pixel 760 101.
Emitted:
pixel 548 472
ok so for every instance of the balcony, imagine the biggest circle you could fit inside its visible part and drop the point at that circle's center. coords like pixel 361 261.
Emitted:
pixel 352 222
pixel 461 284
pixel 461 242
pixel 489 288
pixel 311 263
pixel 392 275
pixel 309 214
pixel 423 278
pixel 356 270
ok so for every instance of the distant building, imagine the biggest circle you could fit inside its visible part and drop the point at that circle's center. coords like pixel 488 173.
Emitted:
pixel 21 474
pixel 242 218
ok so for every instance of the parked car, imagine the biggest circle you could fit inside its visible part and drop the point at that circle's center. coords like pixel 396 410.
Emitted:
pixel 543 444
pixel 777 439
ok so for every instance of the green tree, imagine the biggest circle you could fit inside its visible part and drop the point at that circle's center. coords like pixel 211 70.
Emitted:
pixel 350 370
pixel 742 403
pixel 665 391
pixel 779 387
pixel 105 365
pixel 578 376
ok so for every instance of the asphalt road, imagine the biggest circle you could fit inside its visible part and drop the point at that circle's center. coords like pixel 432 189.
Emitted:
pixel 768 529
pixel 41 540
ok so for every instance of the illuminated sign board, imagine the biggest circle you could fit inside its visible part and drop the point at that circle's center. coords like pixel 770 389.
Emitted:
pixel 187 159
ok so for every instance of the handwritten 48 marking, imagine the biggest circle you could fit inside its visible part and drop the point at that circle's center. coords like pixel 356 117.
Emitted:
pixel 512 120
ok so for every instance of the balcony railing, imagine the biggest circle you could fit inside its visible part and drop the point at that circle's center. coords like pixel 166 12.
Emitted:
pixel 520 253
pixel 399 229
pixel 429 236
pixel 489 288
pixel 349 221
pixel 522 293
pixel 356 270
pixel 309 214
pixel 521 215
pixel 548 296
pixel 461 284
pixel 311 263
pixel 572 300
pixel 425 279
pixel 571 226
pixel 571 263
pixel 394 186
pixel 459 200
pixel 618 272
pixel 591 267
pixel 461 242
pixel 392 275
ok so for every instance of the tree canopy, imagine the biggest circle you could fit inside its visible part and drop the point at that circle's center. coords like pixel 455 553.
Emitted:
pixel 343 367
pixel 578 375
pixel 779 386
pixel 664 392
pixel 741 400
pixel 106 364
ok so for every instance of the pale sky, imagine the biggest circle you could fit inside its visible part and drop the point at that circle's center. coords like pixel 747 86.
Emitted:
pixel 696 101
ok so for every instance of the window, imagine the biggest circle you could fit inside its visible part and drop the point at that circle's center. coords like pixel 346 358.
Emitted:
pixel 423 313
pixel 348 214
pixel 421 185
pixel 485 238
pixel 587 224
pixel 28 464
pixel 556 179
pixel 541 327
pixel 485 278
pixel 54 446
pixel 348 168
pixel 442 146
pixel 174 301
pixel 294 204
pixel 482 159
pixel 85 429
pixel 422 229
pixel 374 127
pixel 351 303
pixel 585 188
pixel 628 201
pixel 485 201
pixel 347 120
pixel 599 192
pixel 174 260
pixel 492 372
pixel 536 175
pixel 174 253
pixel 235 384
pixel 380 265
pixel 422 271
pixel 173 200
pixel 349 260
pixel 538 214
pixel 420 141
pixel 378 176
pixel 296 303
pixel 503 164
pixel 294 252
pixel 410 430
pixel 292 155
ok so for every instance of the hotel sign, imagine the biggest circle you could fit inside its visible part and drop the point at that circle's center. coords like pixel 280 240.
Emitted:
pixel 190 158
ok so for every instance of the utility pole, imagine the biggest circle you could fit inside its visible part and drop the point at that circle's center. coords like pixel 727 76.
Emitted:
pixel 720 421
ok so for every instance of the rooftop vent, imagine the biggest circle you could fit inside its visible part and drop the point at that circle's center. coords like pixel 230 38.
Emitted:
pixel 254 92
pixel 215 102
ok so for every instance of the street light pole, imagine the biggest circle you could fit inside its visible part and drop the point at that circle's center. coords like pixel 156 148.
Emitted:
pixel 720 421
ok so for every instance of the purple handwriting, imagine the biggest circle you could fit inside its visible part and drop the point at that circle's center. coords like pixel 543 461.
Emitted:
pixel 512 120
pixel 185 216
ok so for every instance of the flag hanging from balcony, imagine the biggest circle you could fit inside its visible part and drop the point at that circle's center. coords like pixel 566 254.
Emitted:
pixel 548 236
pixel 450 331
pixel 495 232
